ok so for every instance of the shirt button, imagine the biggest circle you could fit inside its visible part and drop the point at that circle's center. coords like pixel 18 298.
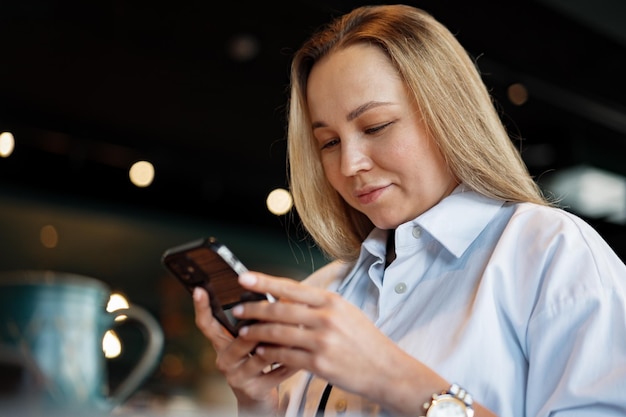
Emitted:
pixel 417 232
pixel 400 288
pixel 341 406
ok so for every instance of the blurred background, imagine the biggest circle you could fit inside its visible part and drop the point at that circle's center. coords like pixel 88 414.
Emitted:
pixel 195 91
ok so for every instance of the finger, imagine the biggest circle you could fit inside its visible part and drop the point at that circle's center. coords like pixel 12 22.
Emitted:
pixel 288 357
pixel 257 386
pixel 277 374
pixel 238 362
pixel 289 313
pixel 205 321
pixel 283 288
pixel 272 334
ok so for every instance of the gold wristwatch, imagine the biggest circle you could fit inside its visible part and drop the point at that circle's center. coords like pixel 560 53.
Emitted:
pixel 454 402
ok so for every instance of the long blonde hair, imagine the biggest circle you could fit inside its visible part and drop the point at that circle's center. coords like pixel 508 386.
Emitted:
pixel 453 100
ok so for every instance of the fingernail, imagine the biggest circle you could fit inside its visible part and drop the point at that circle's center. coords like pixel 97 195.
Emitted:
pixel 237 310
pixel 197 294
pixel 247 279
pixel 243 331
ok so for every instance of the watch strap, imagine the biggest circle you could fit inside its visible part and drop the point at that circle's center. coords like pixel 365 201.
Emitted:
pixel 457 393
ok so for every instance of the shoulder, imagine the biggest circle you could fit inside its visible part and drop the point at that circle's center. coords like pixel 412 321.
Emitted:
pixel 329 275
pixel 548 221
pixel 549 233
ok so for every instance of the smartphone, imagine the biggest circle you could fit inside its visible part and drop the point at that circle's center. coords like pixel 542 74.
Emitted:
pixel 209 264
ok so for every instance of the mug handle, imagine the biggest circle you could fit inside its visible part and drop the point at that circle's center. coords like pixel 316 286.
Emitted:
pixel 149 358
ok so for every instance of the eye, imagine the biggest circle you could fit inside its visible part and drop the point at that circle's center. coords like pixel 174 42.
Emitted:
pixel 330 143
pixel 378 128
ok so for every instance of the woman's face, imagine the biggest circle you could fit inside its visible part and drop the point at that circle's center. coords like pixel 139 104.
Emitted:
pixel 374 147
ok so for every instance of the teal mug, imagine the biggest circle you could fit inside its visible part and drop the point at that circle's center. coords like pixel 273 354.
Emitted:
pixel 52 326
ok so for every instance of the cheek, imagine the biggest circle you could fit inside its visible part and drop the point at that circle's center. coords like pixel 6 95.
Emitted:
pixel 420 154
pixel 332 171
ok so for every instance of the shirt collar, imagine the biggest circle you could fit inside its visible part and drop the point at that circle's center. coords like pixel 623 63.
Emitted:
pixel 455 222
pixel 458 219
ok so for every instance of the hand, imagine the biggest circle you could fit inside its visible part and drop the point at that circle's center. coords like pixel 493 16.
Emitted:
pixel 318 330
pixel 254 389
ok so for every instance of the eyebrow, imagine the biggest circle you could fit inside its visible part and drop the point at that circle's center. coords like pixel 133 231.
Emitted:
pixel 356 112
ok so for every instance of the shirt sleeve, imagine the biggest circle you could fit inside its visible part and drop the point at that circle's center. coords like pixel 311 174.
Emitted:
pixel 576 338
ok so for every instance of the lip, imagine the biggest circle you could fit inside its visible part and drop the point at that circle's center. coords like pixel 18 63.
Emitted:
pixel 370 194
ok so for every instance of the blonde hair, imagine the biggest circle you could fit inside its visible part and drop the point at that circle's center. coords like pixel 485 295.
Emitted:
pixel 452 98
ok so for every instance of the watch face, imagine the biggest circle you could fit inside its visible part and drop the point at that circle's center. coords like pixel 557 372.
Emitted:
pixel 447 407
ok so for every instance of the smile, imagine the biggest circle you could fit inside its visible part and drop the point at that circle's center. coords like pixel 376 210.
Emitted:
pixel 370 194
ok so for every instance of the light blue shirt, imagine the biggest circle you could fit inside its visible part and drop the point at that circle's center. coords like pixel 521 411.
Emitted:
pixel 522 305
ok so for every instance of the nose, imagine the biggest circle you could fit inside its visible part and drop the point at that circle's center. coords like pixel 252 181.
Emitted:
pixel 354 157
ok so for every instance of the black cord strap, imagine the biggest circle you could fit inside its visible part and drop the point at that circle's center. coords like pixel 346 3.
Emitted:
pixel 322 407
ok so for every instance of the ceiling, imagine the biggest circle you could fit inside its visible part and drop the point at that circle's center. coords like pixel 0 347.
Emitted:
pixel 199 89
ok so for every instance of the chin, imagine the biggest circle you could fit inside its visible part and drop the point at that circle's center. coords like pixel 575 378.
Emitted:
pixel 386 223
pixel 390 219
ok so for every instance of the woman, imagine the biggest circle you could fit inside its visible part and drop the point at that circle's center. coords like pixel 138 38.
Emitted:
pixel 449 267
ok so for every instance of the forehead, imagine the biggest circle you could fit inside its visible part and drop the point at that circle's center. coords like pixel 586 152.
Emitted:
pixel 350 76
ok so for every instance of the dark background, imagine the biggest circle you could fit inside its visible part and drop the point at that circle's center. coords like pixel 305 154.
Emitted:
pixel 199 89
pixel 89 87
